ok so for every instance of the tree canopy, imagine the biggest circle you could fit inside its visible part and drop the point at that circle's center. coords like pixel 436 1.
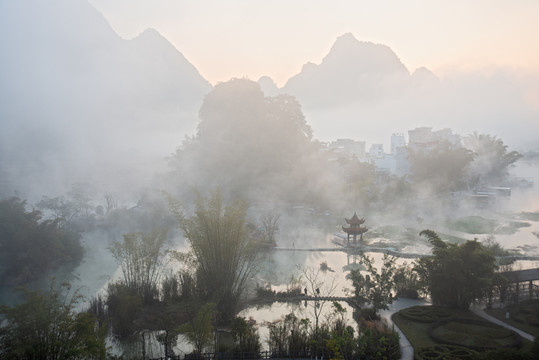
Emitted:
pixel 492 159
pixel 456 274
pixel 442 168
pixel 251 145
pixel 374 288
pixel 199 330
pixel 31 247
pixel 46 326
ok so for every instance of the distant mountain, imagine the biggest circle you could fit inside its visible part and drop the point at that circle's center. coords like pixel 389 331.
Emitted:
pixel 352 70
pixel 268 86
pixel 363 91
pixel 79 102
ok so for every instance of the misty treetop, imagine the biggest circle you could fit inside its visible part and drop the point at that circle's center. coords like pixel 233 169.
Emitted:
pixel 443 167
pixel 262 148
pixel 31 247
pixel 492 158
pixel 251 145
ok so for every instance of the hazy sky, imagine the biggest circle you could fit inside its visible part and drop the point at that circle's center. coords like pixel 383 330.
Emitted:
pixel 236 38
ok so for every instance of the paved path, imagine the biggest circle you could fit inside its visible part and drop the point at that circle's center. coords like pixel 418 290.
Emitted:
pixel 478 309
pixel 407 351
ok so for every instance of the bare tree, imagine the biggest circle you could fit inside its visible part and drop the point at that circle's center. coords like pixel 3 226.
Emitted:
pixel 80 195
pixel 110 203
pixel 319 289
pixel 270 225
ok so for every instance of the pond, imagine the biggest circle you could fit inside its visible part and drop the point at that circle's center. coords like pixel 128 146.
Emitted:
pixel 284 267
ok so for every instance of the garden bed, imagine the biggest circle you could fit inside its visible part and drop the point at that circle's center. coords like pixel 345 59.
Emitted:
pixel 448 325
pixel 426 314
pixel 442 352
pixel 474 334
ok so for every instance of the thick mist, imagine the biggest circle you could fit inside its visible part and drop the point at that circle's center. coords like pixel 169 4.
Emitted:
pixel 131 117
pixel 79 103
pixel 105 139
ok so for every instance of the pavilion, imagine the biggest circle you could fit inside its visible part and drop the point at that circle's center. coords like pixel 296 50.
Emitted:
pixel 354 229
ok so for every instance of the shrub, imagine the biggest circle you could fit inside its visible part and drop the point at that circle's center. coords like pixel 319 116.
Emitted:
pixel 528 312
pixel 474 334
pixel 124 304
pixel 378 341
pixel 425 314
pixel 439 352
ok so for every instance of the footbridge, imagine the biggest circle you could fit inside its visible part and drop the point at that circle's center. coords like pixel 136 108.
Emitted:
pixel 521 285
pixel 353 302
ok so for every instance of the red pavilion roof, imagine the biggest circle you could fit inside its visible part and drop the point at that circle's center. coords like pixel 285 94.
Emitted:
pixel 354 220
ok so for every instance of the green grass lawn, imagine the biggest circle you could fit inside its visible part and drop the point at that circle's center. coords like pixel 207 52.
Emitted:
pixel 472 335
pixel 524 317
pixel 417 332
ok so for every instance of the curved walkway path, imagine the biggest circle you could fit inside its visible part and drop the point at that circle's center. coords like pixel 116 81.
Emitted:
pixel 407 351
pixel 477 308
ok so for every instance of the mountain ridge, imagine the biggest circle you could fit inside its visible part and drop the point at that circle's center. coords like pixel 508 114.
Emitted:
pixel 351 70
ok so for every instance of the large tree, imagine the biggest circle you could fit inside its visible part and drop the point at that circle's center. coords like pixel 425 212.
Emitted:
pixel 317 287
pixel 224 255
pixel 456 274
pixel 251 146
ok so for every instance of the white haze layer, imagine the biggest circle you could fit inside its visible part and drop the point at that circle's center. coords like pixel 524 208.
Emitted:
pixel 79 103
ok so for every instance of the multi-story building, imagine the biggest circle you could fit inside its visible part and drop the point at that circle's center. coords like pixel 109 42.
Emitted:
pixel 397 141
pixel 376 151
pixel 349 147
pixel 425 138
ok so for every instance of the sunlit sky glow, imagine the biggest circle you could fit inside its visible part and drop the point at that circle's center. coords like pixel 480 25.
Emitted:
pixel 252 38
